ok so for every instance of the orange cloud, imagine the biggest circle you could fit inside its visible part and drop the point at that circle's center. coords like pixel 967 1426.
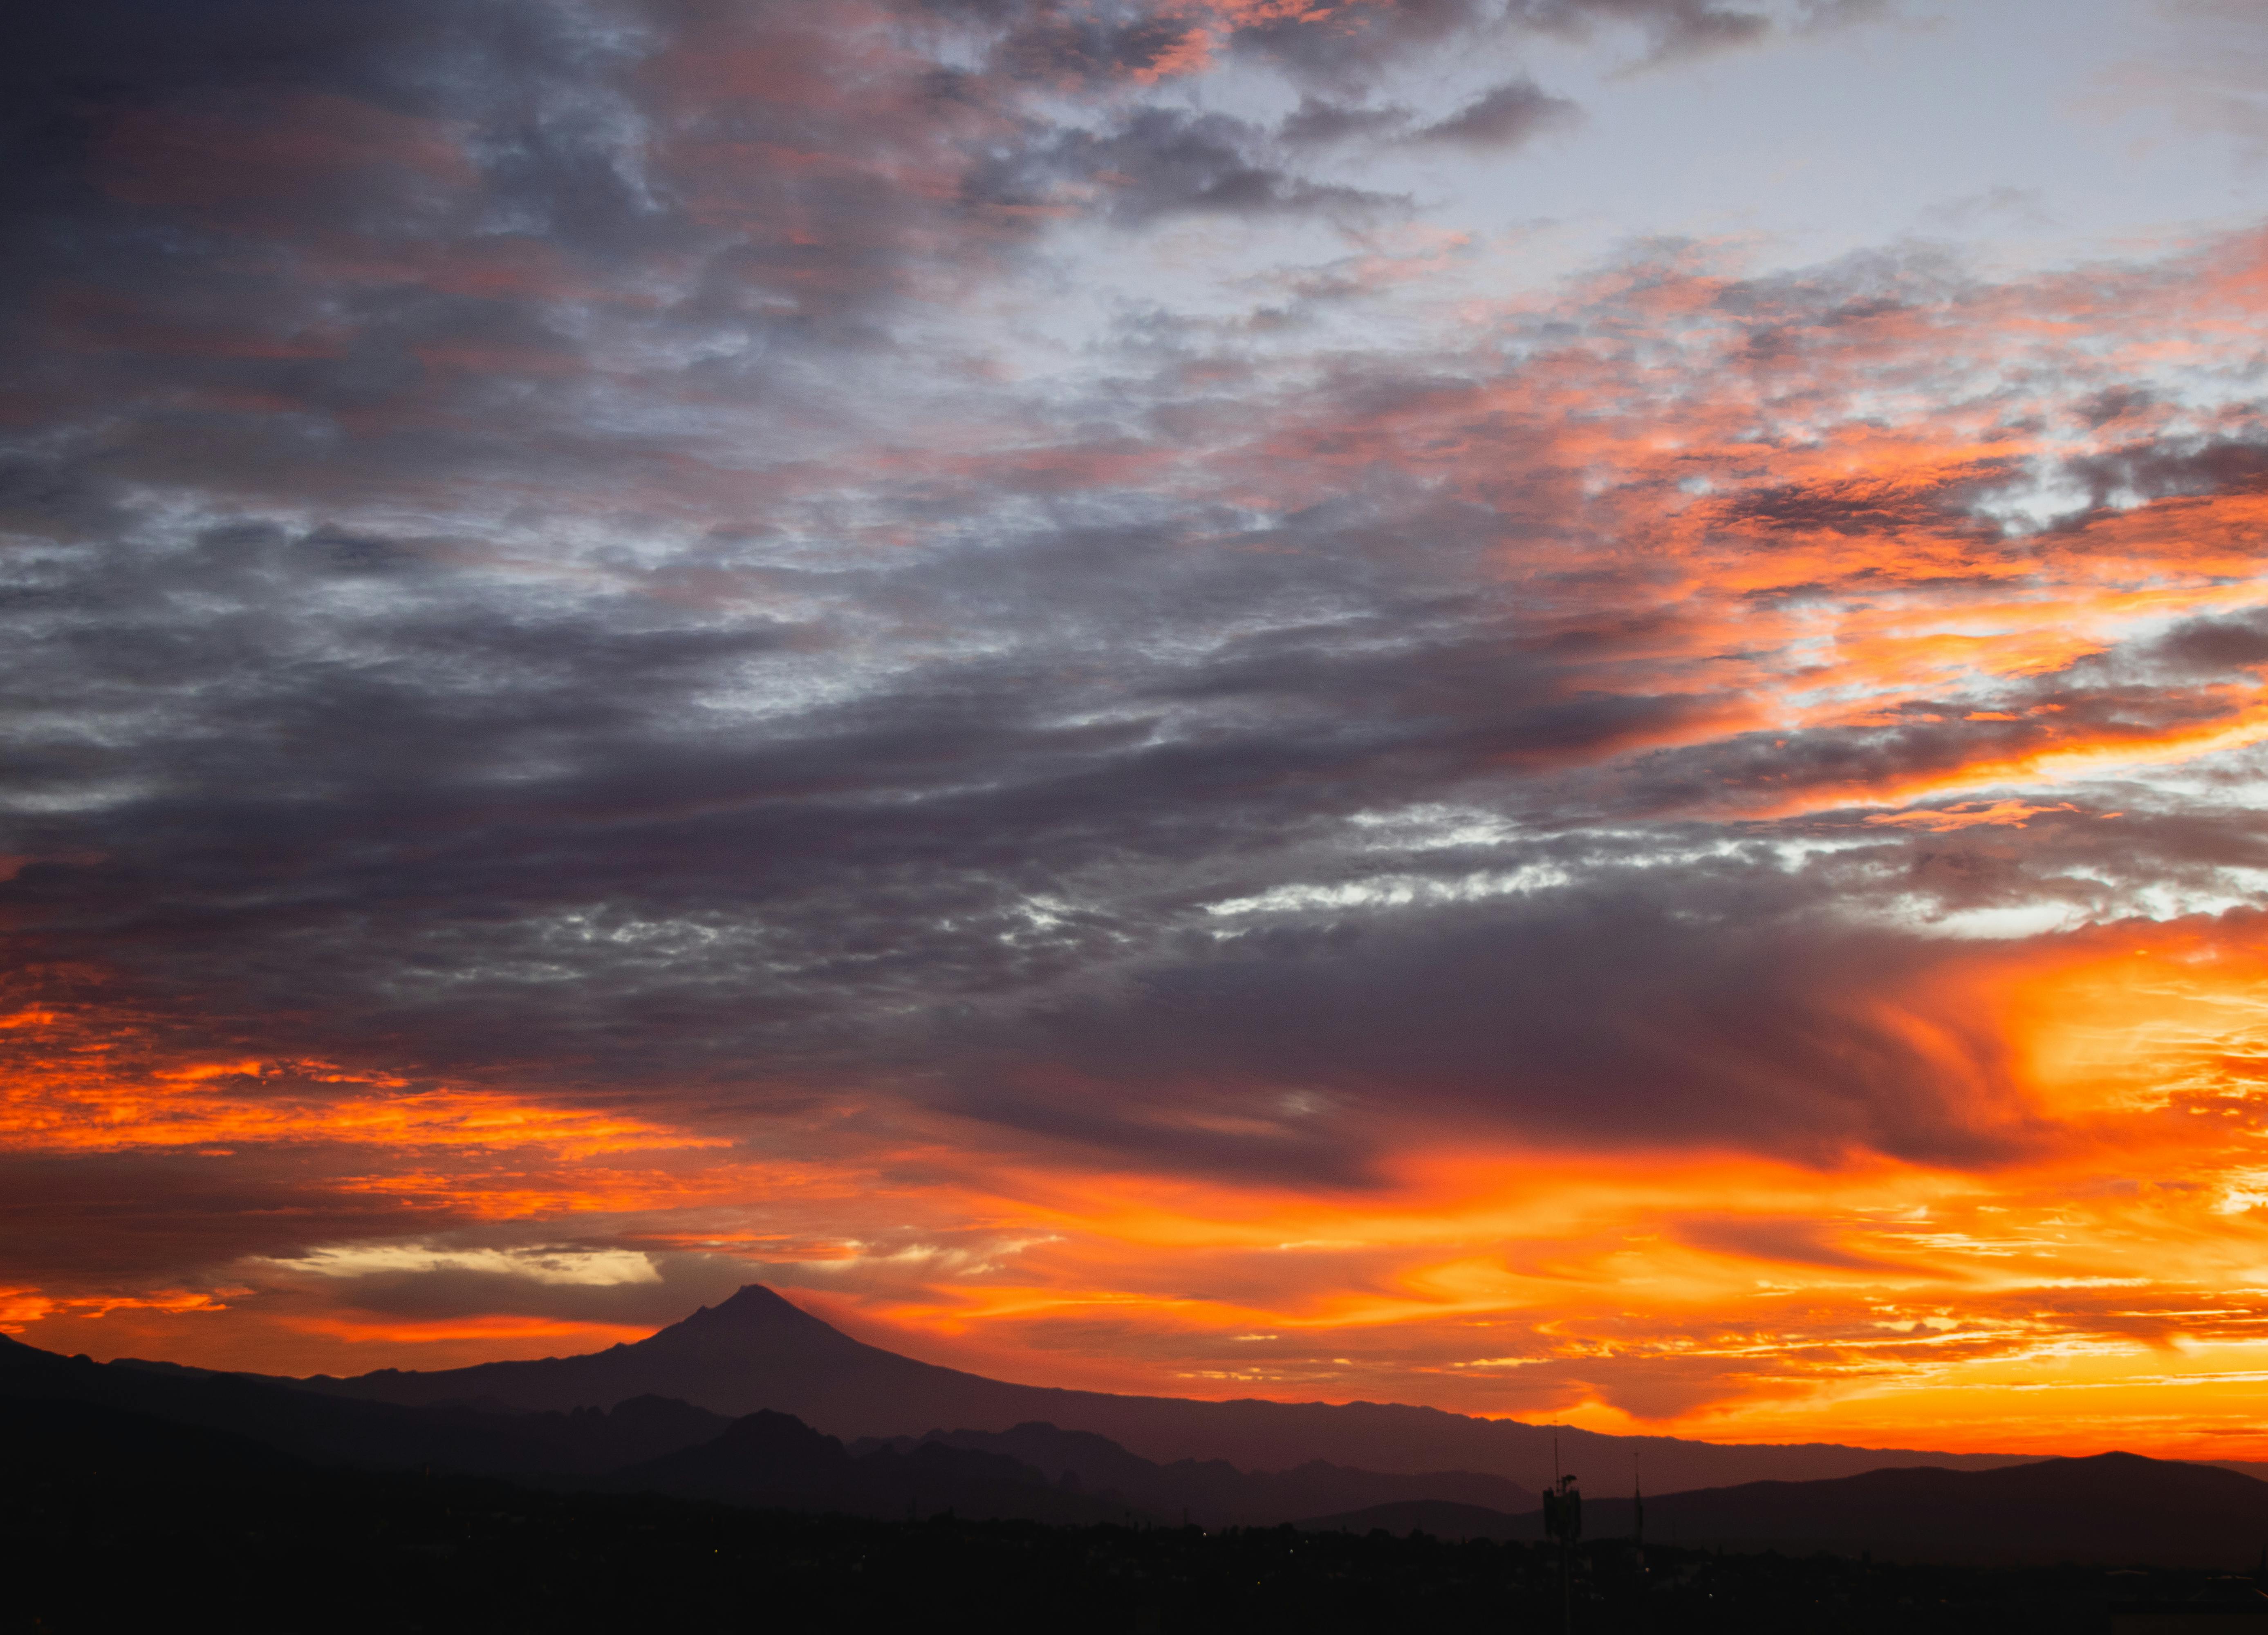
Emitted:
pixel 1967 815
pixel 2115 1267
pixel 492 1334
pixel 21 1307
pixel 81 1082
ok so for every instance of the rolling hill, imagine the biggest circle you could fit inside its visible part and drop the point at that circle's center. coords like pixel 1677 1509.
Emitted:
pixel 2110 1508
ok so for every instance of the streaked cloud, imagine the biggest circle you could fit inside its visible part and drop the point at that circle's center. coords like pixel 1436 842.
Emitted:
pixel 362 1260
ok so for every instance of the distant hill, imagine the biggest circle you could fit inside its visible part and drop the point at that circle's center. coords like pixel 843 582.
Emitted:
pixel 2112 1508
pixel 756 1351
pixel 101 1444
pixel 777 1460
pixel 324 1429
pixel 651 1443
pixel 1213 1492
pixel 1441 1518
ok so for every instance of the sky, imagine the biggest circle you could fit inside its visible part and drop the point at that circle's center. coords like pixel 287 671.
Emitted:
pixel 1547 706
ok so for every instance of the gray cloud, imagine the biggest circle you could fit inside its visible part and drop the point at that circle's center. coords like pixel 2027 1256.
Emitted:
pixel 1632 1011
pixel 2217 646
pixel 1673 28
pixel 1351 46
pixel 1503 117
pixel 1319 120
pixel 1163 162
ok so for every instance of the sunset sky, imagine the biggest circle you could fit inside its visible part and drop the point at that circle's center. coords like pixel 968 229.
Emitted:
pixel 1547 706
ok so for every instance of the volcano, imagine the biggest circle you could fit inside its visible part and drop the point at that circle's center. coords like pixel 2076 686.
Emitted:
pixel 759 1351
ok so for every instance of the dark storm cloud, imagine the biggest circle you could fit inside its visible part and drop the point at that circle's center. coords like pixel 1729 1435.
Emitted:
pixel 468 831
pixel 1637 1012
pixel 2100 408
pixel 195 181
pixel 54 497
pixel 230 230
pixel 512 807
pixel 101 96
pixel 453 829
pixel 2173 466
pixel 2217 646
pixel 1868 507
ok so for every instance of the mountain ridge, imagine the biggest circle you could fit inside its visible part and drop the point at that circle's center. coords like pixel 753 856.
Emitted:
pixel 1036 1473
pixel 126 1425
pixel 1213 1492
pixel 758 1351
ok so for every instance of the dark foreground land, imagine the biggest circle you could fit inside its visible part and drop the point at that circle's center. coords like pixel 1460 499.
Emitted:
pixel 133 1499
pixel 115 1537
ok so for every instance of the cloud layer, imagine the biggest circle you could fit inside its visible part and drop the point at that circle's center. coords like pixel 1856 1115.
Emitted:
pixel 956 656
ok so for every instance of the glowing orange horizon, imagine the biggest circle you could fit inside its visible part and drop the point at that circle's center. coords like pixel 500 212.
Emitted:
pixel 1720 1294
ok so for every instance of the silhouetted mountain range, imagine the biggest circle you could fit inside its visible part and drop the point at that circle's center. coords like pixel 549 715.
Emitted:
pixel 313 1426
pixel 777 1460
pixel 756 1351
pixel 1211 1492
pixel 129 1421
pixel 111 1520
pixel 2110 1508
pixel 657 1444
pixel 108 1445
